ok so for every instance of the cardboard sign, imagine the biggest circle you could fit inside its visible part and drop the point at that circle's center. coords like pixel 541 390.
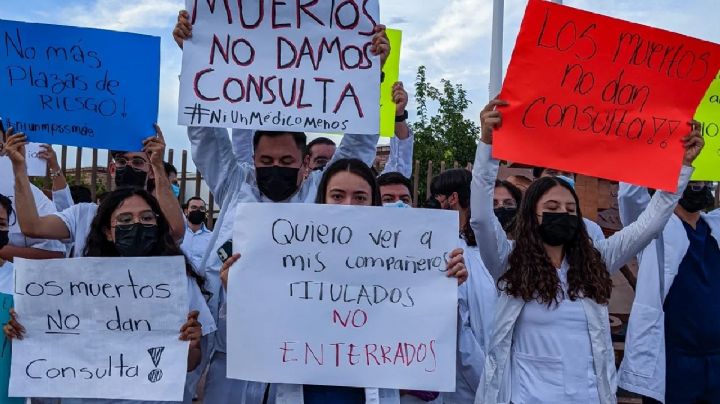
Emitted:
pixel 36 167
pixel 344 296
pixel 101 328
pixel 6 351
pixel 79 86
pixel 602 97
pixel 707 165
pixel 272 65
pixel 392 75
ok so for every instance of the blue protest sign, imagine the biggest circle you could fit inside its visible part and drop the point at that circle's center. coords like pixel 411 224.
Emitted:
pixel 5 351
pixel 79 86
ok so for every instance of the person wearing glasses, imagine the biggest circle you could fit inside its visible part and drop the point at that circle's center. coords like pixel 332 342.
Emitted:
pixel 72 225
pixel 672 348
pixel 130 223
pixel 197 236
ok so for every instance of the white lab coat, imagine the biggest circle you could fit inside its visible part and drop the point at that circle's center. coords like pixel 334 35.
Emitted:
pixel 643 368
pixel 233 182
pixel 495 384
pixel 476 309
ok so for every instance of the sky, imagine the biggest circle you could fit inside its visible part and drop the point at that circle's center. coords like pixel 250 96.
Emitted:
pixel 450 37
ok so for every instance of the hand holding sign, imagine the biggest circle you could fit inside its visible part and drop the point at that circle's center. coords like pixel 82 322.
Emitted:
pixel 13 329
pixel 183 28
pixel 14 147
pixel 491 120
pixel 693 144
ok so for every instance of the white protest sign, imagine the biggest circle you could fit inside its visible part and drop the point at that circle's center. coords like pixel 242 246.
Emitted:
pixel 101 328
pixel 345 296
pixel 36 166
pixel 282 65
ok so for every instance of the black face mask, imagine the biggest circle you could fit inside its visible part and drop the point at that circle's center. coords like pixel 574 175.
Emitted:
pixel 196 217
pixel 136 240
pixel 130 177
pixel 4 238
pixel 277 183
pixel 558 229
pixel 695 201
pixel 505 216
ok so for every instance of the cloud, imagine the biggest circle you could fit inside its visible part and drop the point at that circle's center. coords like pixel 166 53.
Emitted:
pixel 124 15
pixel 394 21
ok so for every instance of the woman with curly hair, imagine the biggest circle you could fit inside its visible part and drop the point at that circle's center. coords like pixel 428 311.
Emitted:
pixel 551 341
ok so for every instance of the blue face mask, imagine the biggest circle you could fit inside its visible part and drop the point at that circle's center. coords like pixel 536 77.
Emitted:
pixel 398 204
pixel 176 190
pixel 568 180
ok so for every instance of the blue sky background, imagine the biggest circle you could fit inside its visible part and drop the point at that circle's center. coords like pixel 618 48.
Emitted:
pixel 450 37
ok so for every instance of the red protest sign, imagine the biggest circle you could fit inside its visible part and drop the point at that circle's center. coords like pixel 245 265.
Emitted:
pixel 601 96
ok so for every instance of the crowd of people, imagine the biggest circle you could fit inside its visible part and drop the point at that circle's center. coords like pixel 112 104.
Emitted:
pixel 534 275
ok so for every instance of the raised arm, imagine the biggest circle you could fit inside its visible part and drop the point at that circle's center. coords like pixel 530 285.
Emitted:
pixel 628 242
pixel 402 144
pixel 30 222
pixel 213 155
pixel 242 143
pixel 492 240
pixel 632 202
pixel 154 146
pixel 61 196
pixel 401 155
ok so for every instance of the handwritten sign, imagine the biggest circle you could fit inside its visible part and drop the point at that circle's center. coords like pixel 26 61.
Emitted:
pixel 35 165
pixel 101 328
pixel 6 351
pixel 707 165
pixel 350 297
pixel 275 65
pixel 602 97
pixel 79 86
pixel 392 75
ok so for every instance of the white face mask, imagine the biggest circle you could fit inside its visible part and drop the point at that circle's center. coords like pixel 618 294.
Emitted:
pixel 398 204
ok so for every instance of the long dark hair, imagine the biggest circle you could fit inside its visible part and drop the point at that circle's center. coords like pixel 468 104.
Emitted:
pixel 456 180
pixel 6 203
pixel 531 275
pixel 353 166
pixel 97 244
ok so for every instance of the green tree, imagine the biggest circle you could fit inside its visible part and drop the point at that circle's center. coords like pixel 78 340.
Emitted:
pixel 446 135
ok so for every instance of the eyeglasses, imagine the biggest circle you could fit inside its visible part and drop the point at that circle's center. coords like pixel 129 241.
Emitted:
pixel 135 162
pixel 200 208
pixel 147 218
pixel 507 204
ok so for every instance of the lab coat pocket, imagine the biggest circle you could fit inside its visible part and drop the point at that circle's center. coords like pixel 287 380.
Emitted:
pixel 539 379
pixel 645 340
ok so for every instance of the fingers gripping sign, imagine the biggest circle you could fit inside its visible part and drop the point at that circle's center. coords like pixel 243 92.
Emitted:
pixel 491 119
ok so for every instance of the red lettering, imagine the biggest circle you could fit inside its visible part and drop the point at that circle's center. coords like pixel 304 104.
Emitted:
pixel 304 8
pixel 196 85
pixel 385 350
pixel 351 355
pixel 369 353
pixel 275 24
pixel 308 350
pixel 349 91
pixel 285 350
